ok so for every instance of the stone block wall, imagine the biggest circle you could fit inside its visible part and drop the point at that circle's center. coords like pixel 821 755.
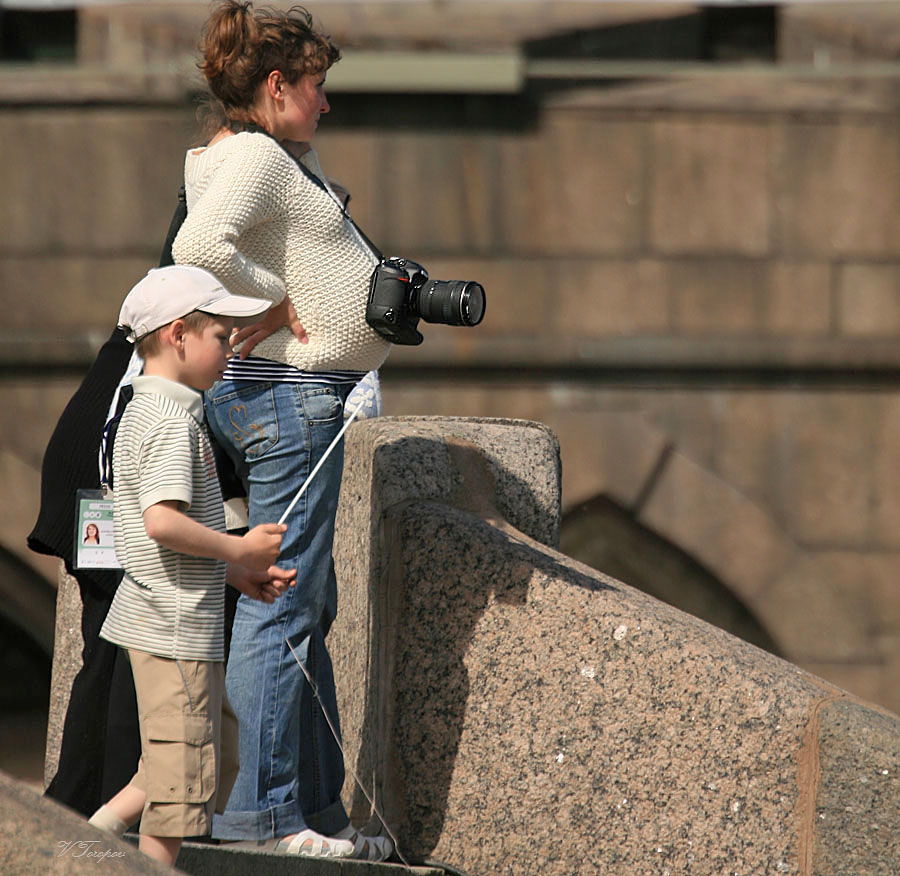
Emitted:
pixel 694 283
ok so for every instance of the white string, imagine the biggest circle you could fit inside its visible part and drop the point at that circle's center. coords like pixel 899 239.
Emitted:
pixel 340 746
pixel 312 685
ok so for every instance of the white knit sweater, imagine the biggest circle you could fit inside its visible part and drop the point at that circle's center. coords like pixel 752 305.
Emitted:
pixel 258 223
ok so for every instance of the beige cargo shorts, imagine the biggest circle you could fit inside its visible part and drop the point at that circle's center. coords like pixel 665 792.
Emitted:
pixel 189 743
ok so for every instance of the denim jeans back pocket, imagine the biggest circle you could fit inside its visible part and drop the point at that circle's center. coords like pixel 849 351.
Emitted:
pixel 321 404
pixel 248 417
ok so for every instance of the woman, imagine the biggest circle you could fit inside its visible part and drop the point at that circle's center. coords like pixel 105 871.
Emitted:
pixel 267 223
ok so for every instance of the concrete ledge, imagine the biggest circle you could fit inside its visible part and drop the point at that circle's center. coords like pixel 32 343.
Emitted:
pixel 497 695
pixel 210 860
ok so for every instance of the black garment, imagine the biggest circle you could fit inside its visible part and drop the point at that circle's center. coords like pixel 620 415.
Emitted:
pixel 101 742
pixel 70 461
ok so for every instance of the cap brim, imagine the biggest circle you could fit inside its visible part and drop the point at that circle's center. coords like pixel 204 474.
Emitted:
pixel 237 306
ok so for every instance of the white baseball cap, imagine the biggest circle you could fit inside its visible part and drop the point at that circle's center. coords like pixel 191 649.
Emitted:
pixel 168 293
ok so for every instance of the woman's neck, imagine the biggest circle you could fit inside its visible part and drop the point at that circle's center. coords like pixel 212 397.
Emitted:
pixel 221 134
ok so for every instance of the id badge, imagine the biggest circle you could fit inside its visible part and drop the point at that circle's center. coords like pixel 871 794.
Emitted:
pixel 94 536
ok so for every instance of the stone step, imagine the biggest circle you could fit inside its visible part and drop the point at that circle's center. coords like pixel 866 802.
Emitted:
pixel 201 859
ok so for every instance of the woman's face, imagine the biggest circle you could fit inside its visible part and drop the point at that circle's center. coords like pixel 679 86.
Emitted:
pixel 303 103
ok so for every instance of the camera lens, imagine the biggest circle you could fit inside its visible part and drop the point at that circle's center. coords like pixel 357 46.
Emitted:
pixel 451 302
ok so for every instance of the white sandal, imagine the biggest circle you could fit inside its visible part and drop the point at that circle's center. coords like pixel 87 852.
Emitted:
pixel 366 848
pixel 309 844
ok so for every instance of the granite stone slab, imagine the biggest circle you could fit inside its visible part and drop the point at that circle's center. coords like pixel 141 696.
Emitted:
pixel 515 712
pixel 512 711
pixel 38 837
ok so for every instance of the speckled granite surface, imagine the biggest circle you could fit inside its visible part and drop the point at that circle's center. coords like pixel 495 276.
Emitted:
pixel 518 713
pixel 39 837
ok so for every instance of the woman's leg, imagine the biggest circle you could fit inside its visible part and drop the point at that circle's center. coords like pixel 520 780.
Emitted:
pixel 277 433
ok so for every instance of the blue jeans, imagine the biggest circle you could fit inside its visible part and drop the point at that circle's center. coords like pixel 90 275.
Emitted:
pixel 291 768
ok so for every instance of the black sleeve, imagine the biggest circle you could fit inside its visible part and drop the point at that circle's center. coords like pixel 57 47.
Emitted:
pixel 70 460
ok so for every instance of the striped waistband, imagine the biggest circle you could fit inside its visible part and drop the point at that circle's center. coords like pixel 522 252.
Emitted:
pixel 259 370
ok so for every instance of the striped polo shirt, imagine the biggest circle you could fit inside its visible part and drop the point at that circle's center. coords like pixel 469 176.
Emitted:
pixel 168 603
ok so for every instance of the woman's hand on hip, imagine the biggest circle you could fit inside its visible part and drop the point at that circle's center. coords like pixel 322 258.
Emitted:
pixel 276 317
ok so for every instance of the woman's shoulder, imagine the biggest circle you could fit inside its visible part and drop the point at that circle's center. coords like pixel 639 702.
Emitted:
pixel 240 146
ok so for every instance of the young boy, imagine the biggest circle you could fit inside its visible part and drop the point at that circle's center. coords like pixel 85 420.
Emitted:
pixel 168 612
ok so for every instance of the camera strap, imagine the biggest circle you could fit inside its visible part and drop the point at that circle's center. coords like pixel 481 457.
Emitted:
pixel 321 183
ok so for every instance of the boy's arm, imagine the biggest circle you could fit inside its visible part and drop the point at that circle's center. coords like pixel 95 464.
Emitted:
pixel 169 526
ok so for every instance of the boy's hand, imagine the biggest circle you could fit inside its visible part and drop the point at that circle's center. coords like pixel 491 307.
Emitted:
pixel 261 545
pixel 265 586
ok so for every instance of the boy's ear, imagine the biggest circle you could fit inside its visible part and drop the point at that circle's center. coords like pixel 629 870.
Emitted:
pixel 173 333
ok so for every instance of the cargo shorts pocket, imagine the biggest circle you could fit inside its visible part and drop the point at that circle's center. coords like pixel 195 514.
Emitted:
pixel 180 763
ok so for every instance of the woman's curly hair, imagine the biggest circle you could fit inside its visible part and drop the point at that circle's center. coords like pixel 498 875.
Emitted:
pixel 242 45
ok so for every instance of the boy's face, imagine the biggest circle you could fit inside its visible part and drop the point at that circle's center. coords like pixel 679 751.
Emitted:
pixel 206 353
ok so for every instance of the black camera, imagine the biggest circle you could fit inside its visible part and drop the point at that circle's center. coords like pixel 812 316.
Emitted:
pixel 400 293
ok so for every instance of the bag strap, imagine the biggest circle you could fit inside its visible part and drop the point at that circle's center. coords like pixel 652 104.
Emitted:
pixel 178 217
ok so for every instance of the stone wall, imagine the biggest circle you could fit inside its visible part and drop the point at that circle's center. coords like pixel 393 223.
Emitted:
pixel 512 711
pixel 695 283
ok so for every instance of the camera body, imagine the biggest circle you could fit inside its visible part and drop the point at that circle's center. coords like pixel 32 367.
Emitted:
pixel 401 293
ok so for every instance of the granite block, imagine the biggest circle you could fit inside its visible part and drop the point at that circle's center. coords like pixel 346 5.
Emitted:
pixel 857 807
pixel 504 468
pixel 533 697
pixel 497 695
pixel 67 662
pixel 502 697
pixel 39 837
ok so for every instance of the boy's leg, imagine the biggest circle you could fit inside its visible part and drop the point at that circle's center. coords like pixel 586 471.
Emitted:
pixel 162 848
pixel 122 810
pixel 125 807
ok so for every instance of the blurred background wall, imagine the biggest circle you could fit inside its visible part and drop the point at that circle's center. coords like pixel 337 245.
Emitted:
pixel 687 221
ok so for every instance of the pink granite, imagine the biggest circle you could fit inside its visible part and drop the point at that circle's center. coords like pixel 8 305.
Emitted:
pixel 518 713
